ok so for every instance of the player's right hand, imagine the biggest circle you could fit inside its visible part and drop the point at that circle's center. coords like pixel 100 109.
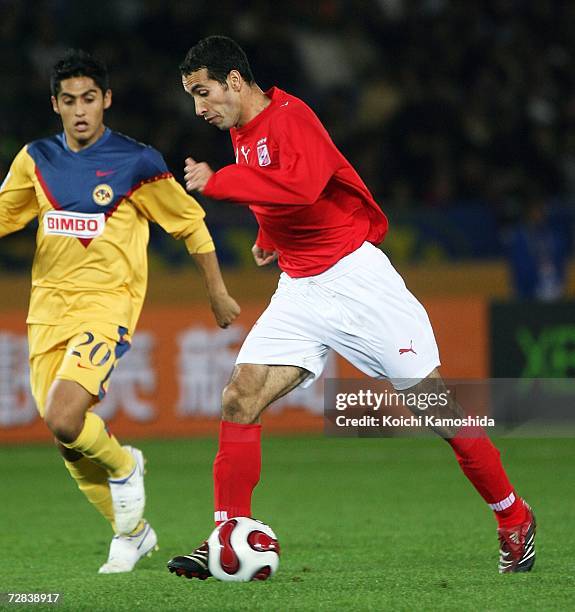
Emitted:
pixel 263 257
pixel 225 309
pixel 196 175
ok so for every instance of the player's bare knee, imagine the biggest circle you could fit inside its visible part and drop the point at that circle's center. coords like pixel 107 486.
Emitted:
pixel 237 406
pixel 447 409
pixel 66 407
pixel 64 423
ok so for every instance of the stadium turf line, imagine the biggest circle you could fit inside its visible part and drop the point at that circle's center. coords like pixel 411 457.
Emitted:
pixel 364 525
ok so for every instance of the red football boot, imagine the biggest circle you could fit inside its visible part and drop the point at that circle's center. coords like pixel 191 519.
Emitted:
pixel 517 546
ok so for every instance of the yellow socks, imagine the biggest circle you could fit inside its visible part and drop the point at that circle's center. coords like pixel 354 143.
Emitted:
pixel 138 528
pixel 92 480
pixel 95 443
pixel 103 458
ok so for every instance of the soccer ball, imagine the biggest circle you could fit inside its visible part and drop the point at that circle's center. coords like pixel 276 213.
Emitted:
pixel 243 549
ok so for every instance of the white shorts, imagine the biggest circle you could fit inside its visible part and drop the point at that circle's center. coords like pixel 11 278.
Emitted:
pixel 360 308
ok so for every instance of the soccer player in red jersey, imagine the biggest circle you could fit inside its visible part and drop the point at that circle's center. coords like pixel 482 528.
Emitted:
pixel 336 291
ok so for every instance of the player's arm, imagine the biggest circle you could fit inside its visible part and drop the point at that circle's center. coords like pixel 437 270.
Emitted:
pixel 18 204
pixel 263 250
pixel 307 159
pixel 160 198
pixel 223 305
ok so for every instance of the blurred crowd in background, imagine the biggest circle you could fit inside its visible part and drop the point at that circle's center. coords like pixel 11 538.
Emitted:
pixel 437 103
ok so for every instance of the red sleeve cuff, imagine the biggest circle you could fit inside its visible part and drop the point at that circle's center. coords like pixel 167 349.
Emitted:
pixel 263 242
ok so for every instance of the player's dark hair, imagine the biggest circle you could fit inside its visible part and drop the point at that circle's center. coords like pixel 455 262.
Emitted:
pixel 219 55
pixel 78 63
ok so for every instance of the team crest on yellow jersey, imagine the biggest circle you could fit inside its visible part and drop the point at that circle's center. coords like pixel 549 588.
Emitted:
pixel 102 194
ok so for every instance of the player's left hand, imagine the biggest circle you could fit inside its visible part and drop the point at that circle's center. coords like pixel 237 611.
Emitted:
pixel 196 174
pixel 225 309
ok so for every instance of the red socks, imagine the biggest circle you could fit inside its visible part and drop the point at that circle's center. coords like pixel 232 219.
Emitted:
pixel 480 462
pixel 238 463
pixel 236 469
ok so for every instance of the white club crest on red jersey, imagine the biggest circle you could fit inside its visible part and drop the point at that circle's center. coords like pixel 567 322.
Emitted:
pixel 77 225
pixel 264 158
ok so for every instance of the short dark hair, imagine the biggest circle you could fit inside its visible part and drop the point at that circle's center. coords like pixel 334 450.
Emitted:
pixel 219 55
pixel 78 63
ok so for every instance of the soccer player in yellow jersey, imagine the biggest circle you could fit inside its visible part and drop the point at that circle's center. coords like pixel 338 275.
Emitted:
pixel 94 192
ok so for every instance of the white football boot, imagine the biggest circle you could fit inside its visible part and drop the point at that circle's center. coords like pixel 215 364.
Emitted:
pixel 129 496
pixel 126 551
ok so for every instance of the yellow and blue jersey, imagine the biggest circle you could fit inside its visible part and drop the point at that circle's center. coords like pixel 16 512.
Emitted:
pixel 93 208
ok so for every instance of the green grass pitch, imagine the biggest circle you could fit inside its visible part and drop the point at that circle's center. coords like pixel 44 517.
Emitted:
pixel 364 525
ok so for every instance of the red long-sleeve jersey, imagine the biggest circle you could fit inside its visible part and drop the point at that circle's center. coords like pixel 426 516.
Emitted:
pixel 311 205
